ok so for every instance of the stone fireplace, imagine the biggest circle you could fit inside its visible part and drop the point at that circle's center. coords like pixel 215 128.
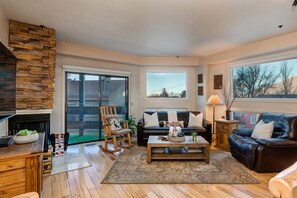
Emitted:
pixel 38 122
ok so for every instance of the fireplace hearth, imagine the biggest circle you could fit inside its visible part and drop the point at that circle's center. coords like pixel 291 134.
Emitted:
pixel 38 122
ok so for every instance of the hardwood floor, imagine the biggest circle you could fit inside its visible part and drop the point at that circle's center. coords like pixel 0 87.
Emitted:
pixel 86 182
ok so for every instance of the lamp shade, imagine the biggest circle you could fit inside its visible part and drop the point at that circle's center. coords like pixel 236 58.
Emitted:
pixel 214 100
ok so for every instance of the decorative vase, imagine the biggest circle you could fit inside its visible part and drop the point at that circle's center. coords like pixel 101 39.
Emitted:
pixel 228 114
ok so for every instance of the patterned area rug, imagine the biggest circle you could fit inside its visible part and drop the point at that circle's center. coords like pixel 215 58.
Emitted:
pixel 131 168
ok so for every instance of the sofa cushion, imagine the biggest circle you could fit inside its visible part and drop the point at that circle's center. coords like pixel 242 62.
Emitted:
pixel 199 129
pixel 151 120
pixel 157 130
pixel 195 120
pixel 172 116
pixel 243 148
pixel 277 143
pixel 263 130
pixel 178 123
pixel 165 130
pixel 243 132
pixel 285 125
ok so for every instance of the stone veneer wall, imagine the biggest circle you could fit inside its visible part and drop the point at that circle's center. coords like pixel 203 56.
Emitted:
pixel 35 48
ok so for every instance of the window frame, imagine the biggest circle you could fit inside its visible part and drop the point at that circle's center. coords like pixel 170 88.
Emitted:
pixel 291 54
pixel 166 71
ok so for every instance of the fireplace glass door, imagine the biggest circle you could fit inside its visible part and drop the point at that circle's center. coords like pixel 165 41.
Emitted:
pixel 84 94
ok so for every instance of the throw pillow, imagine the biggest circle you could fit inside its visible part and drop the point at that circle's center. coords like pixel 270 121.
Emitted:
pixel 195 121
pixel 114 122
pixel 178 123
pixel 166 123
pixel 151 120
pixel 172 116
pixel 262 130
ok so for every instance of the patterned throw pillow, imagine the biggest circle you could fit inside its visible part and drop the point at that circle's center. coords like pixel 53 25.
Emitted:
pixel 114 122
pixel 178 123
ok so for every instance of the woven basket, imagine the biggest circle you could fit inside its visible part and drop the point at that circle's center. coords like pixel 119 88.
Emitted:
pixel 176 139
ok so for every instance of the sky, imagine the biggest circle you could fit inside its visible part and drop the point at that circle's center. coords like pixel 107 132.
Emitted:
pixel 173 82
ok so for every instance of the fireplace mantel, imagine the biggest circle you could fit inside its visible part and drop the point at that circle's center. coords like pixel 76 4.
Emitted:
pixel 29 111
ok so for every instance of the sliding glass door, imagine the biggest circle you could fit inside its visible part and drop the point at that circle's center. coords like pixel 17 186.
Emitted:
pixel 84 94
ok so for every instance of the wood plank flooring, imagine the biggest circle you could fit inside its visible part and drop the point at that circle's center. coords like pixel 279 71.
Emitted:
pixel 86 182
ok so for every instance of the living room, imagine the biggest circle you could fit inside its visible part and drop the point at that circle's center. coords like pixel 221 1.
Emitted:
pixel 137 46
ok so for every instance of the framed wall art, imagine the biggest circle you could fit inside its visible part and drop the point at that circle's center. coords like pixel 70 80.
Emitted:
pixel 200 78
pixel 217 81
pixel 200 90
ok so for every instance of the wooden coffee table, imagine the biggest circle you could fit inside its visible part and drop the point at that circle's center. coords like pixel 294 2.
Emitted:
pixel 198 150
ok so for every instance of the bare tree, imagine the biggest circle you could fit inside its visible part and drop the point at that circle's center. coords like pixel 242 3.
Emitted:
pixel 183 94
pixel 164 93
pixel 253 81
pixel 287 80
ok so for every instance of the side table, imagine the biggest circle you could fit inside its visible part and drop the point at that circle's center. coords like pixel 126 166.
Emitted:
pixel 223 129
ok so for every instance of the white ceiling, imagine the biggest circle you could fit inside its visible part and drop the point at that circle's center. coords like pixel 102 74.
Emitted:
pixel 158 27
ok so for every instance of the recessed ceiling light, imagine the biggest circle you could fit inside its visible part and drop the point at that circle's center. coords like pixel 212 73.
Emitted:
pixel 280 26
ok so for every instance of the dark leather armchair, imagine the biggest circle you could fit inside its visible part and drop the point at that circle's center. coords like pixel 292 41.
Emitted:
pixel 267 155
pixel 144 132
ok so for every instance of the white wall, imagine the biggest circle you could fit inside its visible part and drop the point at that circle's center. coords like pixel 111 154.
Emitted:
pixel 186 103
pixel 201 100
pixel 4 40
pixel 252 50
pixel 220 69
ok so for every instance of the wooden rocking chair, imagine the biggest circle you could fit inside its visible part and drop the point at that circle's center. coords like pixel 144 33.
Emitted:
pixel 114 136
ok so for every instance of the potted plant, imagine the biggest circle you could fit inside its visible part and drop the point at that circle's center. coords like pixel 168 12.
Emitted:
pixel 26 136
pixel 228 100
pixel 194 136
pixel 132 124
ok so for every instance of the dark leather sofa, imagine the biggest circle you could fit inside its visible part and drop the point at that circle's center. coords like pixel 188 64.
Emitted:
pixel 144 132
pixel 267 155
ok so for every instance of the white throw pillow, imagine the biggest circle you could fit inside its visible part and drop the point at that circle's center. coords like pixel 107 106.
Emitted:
pixel 262 130
pixel 172 116
pixel 195 121
pixel 151 120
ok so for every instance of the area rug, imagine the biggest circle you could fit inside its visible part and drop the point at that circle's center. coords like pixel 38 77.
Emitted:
pixel 73 159
pixel 131 168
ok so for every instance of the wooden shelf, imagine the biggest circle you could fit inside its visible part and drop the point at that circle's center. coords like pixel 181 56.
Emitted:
pixel 47 162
